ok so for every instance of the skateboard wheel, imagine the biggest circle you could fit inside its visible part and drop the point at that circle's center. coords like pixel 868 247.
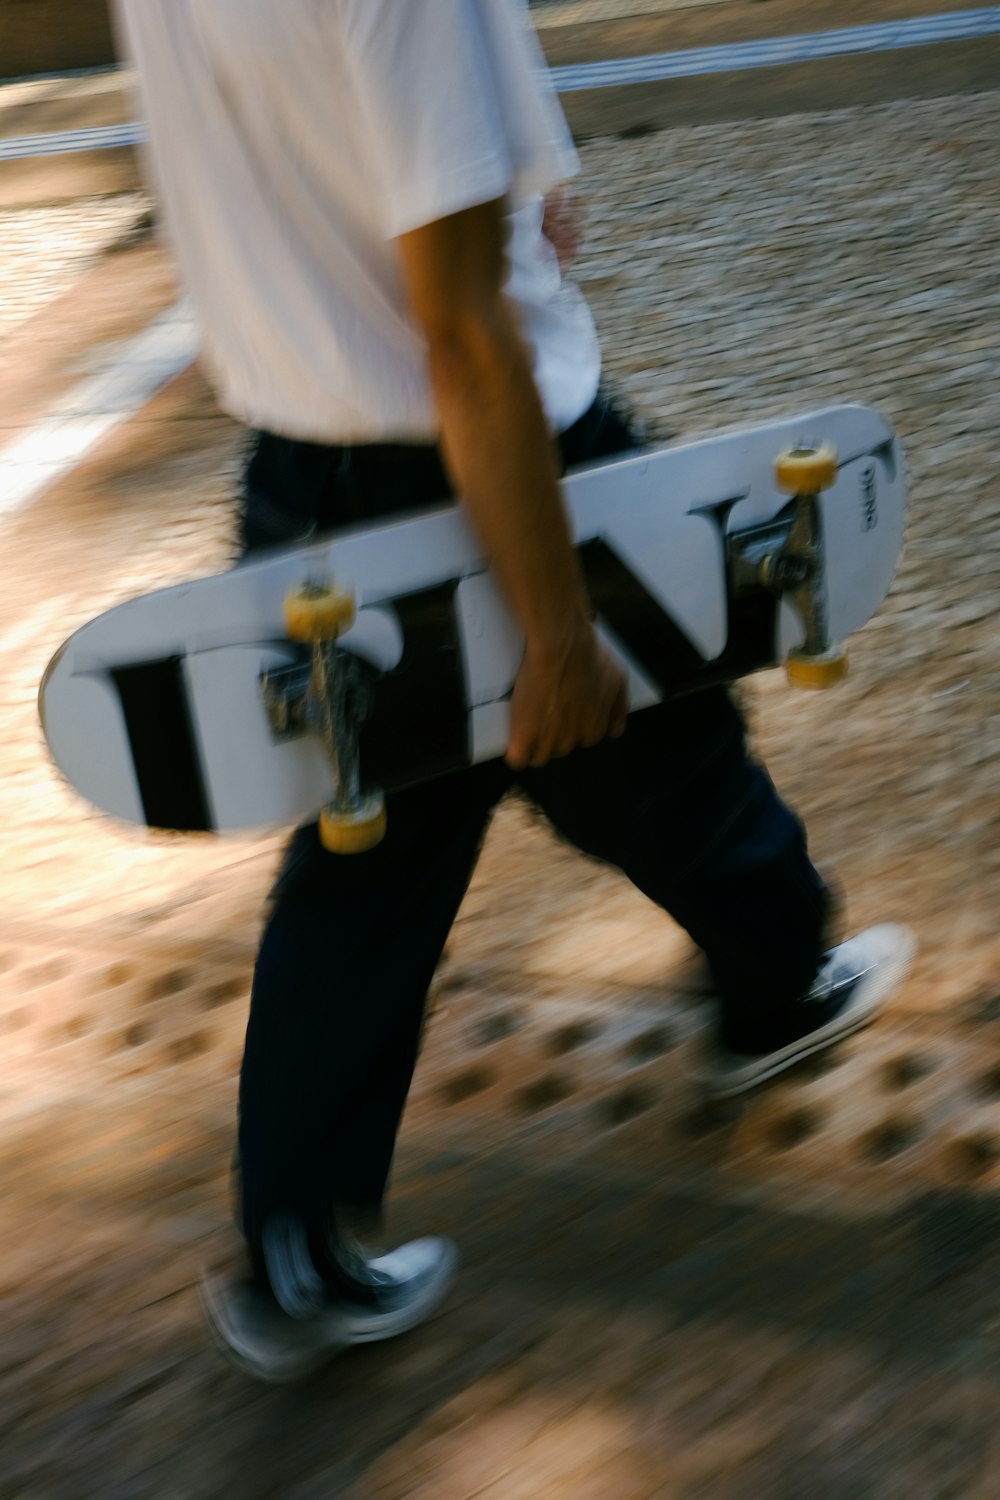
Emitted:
pixel 817 672
pixel 318 612
pixel 806 471
pixel 343 832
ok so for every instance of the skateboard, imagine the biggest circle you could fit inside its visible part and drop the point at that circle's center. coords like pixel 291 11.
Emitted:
pixel 308 681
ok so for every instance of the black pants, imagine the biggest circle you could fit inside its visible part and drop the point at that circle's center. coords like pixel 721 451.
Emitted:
pixel 351 943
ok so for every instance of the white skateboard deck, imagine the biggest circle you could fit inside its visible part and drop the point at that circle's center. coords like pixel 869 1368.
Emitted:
pixel 154 712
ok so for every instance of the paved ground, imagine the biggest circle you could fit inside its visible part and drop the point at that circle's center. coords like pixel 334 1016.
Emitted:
pixel 795 1299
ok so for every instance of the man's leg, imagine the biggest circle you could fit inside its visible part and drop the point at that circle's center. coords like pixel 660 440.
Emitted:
pixel 680 807
pixel 336 1013
pixel 347 956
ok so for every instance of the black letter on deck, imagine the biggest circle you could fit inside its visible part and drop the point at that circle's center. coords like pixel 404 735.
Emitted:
pixel 657 644
pixel 154 701
pixel 419 725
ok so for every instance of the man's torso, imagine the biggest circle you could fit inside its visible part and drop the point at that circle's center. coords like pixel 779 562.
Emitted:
pixel 293 141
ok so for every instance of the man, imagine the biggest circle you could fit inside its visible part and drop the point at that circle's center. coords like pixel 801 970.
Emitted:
pixel 354 191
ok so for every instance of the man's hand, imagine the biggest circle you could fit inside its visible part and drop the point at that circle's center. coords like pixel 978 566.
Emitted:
pixel 567 696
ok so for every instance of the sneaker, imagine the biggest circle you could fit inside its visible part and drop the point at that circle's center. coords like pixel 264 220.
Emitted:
pixel 396 1292
pixel 853 983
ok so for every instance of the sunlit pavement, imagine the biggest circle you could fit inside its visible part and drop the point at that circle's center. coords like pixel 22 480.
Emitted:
pixel 796 1298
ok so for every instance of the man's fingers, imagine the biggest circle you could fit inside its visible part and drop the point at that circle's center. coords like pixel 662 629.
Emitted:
pixel 565 744
pixel 553 715
pixel 530 747
pixel 519 750
pixel 522 752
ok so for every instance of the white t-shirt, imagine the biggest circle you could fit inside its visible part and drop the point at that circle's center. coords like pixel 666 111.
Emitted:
pixel 293 140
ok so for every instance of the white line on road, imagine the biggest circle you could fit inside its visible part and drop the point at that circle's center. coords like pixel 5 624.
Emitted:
pixel 65 142
pixel 964 25
pixel 85 415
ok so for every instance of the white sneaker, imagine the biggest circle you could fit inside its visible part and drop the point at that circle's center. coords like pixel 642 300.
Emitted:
pixel 854 982
pixel 402 1289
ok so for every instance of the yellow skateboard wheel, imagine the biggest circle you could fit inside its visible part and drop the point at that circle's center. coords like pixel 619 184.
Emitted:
pixel 353 832
pixel 318 612
pixel 806 471
pixel 816 672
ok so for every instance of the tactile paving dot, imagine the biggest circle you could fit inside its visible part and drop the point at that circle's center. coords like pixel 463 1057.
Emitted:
pixel 624 1105
pixel 648 1046
pixel 791 1127
pixel 891 1138
pixel 973 1156
pixel 988 1084
pixel 983 1009
pixel 903 1071
pixel 136 1035
pixel 185 1048
pixel 544 1093
pixel 467 1085
pixel 224 991
pixel 173 982
pixel 73 1029
pixel 569 1038
pixel 497 1028
pixel 112 977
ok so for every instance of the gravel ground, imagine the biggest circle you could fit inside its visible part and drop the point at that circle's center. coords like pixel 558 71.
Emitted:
pixel 43 251
pixel 795 1299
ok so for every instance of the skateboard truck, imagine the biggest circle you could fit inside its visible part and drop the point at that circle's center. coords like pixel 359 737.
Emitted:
pixel 315 615
pixel 786 558
pixel 804 473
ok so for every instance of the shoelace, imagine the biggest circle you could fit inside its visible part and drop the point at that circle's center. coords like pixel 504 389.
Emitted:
pixel 834 975
pixel 357 1267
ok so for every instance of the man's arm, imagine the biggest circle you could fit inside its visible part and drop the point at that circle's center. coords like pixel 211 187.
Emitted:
pixel 498 449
